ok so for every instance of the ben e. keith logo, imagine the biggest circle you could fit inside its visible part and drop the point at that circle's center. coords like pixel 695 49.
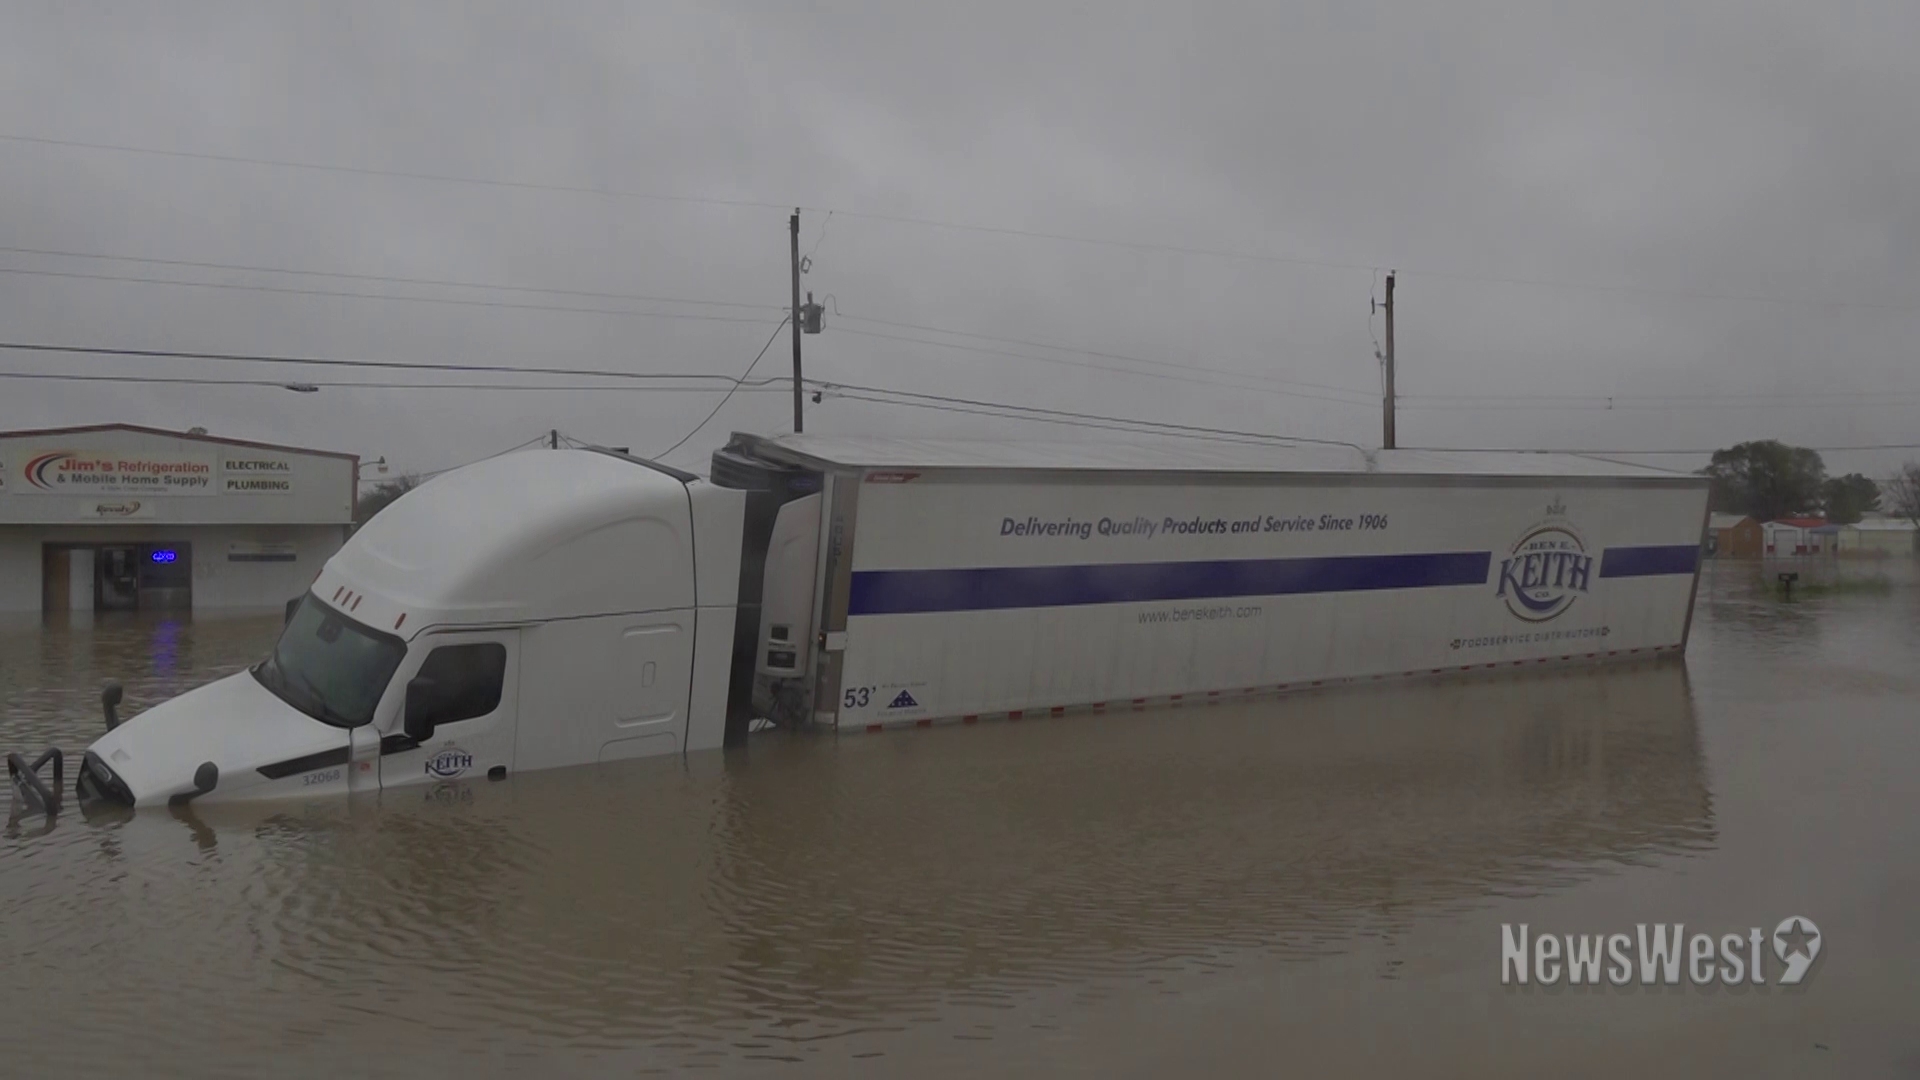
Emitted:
pixel 1664 953
pixel 1547 570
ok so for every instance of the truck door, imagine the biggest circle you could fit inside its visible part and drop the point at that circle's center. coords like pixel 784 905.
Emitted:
pixel 464 692
pixel 650 706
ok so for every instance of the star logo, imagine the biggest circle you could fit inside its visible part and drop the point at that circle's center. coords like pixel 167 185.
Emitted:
pixel 1796 941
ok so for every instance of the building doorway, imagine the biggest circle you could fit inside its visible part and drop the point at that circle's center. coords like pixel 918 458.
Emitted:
pixel 116 577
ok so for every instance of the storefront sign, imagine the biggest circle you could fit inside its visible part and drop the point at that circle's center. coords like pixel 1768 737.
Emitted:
pixel 86 473
pixel 252 551
pixel 246 473
pixel 114 509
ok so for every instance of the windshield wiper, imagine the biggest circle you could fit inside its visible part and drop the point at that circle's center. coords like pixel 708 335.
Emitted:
pixel 266 668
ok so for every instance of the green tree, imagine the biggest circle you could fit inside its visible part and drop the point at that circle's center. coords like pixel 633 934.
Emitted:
pixel 383 495
pixel 1848 498
pixel 1766 479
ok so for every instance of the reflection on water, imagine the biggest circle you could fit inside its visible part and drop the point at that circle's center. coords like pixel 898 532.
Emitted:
pixel 51 672
pixel 805 897
pixel 770 901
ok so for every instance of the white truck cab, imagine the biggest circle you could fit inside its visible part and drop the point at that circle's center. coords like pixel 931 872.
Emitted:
pixel 530 611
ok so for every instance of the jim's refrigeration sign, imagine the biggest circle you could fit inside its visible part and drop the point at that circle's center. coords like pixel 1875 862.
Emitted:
pixel 89 472
pixel 66 471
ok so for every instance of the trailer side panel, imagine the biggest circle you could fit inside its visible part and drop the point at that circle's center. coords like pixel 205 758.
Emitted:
pixel 983 592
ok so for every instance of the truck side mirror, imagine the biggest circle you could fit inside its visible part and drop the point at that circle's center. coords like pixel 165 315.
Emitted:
pixel 293 605
pixel 423 702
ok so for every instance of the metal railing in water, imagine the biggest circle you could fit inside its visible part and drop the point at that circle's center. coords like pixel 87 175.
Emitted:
pixel 33 789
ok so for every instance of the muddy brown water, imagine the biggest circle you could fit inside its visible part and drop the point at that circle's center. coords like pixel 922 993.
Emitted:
pixel 1309 885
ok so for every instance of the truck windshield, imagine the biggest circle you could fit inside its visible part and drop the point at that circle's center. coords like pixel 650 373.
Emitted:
pixel 330 667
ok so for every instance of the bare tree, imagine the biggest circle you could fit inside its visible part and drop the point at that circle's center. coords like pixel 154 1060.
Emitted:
pixel 382 495
pixel 1903 492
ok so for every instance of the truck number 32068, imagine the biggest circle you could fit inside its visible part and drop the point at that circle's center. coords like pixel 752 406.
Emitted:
pixel 858 697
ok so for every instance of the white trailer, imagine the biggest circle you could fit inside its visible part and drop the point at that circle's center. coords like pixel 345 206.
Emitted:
pixel 560 608
pixel 960 580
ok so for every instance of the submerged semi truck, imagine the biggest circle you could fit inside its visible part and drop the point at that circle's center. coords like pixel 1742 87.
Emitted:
pixel 566 607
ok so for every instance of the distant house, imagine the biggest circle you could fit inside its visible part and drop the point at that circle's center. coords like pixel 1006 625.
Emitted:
pixel 1733 536
pixel 1799 536
pixel 1877 535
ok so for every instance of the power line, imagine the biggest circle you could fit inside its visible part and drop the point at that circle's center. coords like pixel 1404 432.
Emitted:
pixel 1655 291
pixel 1293 438
pixel 1134 245
pixel 1630 452
pixel 748 386
pixel 729 394
pixel 398 365
pixel 1652 291
pixel 1103 367
pixel 386 278
pixel 1098 353
pixel 1879 402
pixel 246 268
pixel 449 301
pixel 818 240
pixel 254 358
pixel 1610 400
pixel 421 476
pixel 1038 419
pixel 1137 424
pixel 754 386
pixel 1793 395
pixel 1038 411
pixel 638 376
pixel 1662 292
pixel 441 178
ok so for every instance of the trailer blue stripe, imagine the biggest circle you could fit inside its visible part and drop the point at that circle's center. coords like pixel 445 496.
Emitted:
pixel 1652 561
pixel 902 592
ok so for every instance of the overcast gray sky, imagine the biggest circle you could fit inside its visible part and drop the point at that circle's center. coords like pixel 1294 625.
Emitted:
pixel 1704 210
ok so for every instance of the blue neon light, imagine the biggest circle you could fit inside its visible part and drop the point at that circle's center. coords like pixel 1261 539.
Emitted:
pixel 164 555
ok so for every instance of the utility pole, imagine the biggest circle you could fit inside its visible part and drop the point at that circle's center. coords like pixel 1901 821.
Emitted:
pixel 553 439
pixel 1386 418
pixel 793 233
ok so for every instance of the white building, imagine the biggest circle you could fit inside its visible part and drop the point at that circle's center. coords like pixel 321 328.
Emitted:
pixel 1878 534
pixel 1799 536
pixel 120 517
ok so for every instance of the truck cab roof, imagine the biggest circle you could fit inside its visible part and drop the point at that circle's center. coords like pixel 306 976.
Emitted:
pixel 521 537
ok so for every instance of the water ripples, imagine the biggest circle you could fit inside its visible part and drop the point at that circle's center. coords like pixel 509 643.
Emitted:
pixel 801 897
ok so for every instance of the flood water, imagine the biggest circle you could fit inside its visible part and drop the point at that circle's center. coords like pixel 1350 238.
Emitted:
pixel 1312 885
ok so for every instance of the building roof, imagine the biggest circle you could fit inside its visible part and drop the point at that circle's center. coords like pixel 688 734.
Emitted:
pixel 41 433
pixel 1800 522
pixel 1726 521
pixel 1218 457
pixel 1883 525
